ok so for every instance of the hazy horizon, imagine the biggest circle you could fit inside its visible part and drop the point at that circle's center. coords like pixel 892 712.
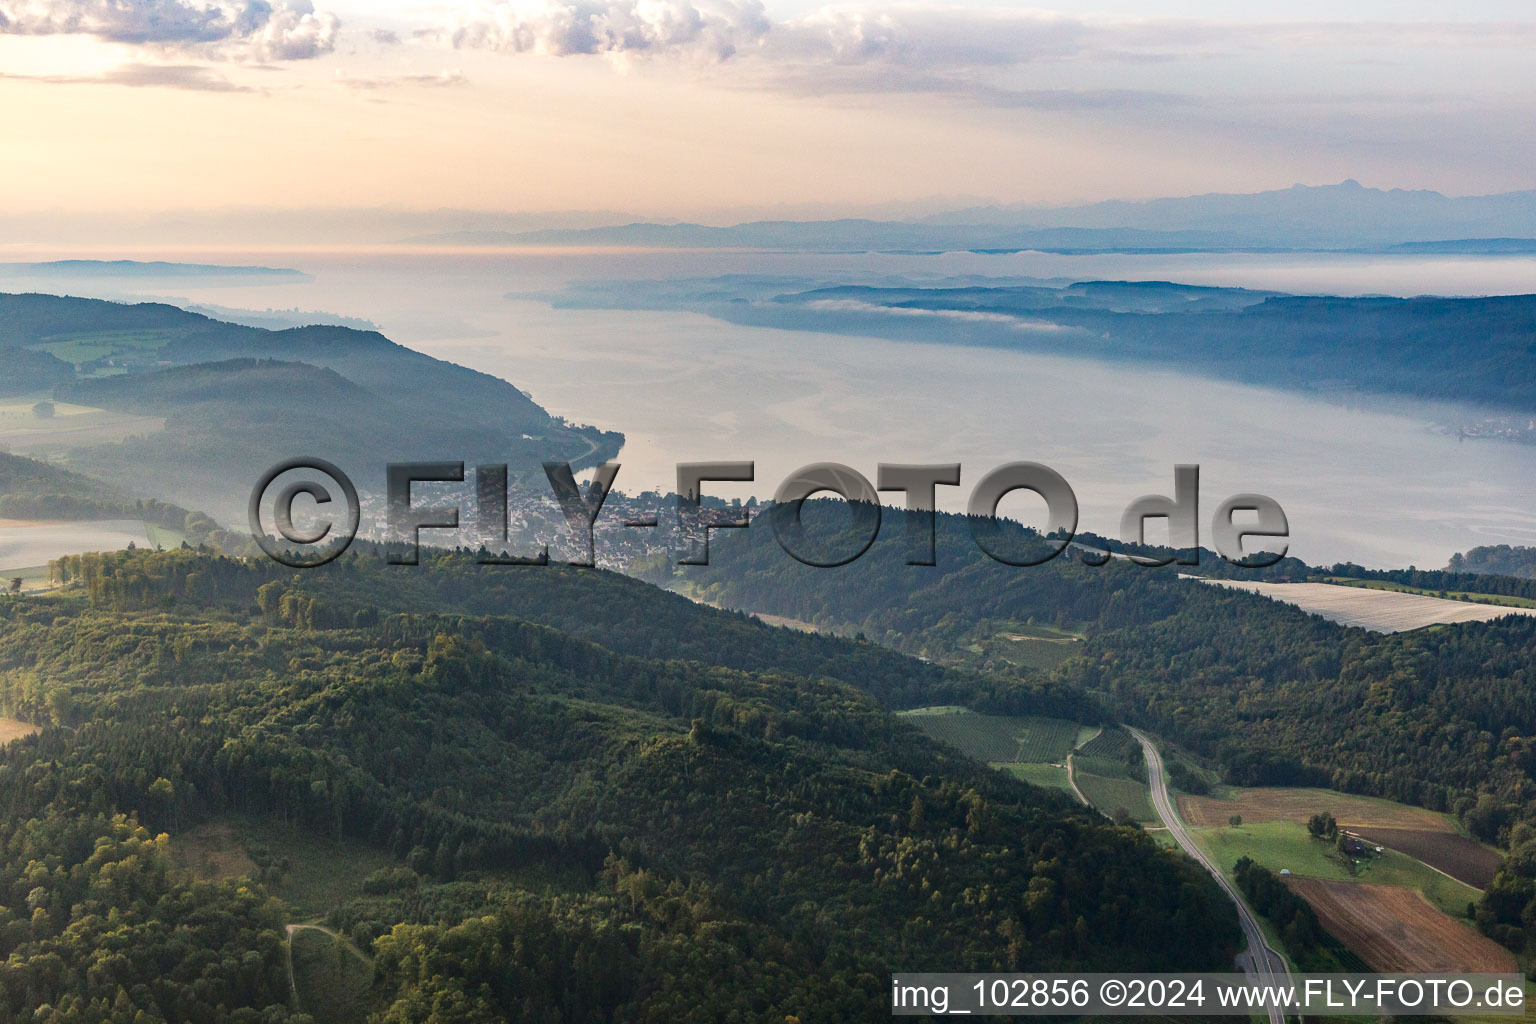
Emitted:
pixel 914 208
pixel 1365 214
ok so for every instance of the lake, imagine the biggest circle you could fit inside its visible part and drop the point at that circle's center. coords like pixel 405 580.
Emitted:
pixel 1375 482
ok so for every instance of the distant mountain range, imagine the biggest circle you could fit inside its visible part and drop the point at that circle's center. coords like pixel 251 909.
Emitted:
pixel 292 225
pixel 1346 216
pixel 138 268
pixel 853 236
pixel 1330 216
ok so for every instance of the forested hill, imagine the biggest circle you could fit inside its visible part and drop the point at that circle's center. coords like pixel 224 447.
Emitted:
pixel 30 489
pixel 622 614
pixel 754 844
pixel 1467 350
pixel 234 400
pixel 1499 559
pixel 1455 349
pixel 1176 655
pixel 35 490
pixel 1444 717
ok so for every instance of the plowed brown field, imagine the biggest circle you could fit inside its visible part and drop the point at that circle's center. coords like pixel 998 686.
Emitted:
pixel 1396 930
pixel 1256 805
pixel 1460 857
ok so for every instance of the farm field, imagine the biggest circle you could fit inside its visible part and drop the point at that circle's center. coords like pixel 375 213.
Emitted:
pixel 1372 608
pixel 1048 776
pixel 1035 749
pixel 13 729
pixel 1461 858
pixel 77 351
pixel 35 544
pixel 1283 846
pixel 1384 611
pixel 92 345
pixel 26 433
pixel 1297 805
pixel 1395 930
pixel 1457 595
pixel 1111 753
pixel 20 410
pixel 1031 646
pixel 1110 795
pixel 998 738
pixel 789 623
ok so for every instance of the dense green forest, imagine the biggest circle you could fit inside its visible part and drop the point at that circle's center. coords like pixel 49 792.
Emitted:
pixel 1452 580
pixel 27 371
pixel 735 825
pixel 1444 717
pixel 1499 559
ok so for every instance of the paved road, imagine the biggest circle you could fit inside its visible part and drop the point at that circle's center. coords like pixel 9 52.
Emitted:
pixel 1266 966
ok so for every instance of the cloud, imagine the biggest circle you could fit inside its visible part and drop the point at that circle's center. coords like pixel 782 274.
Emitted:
pixel 384 37
pixel 440 79
pixel 711 29
pixel 283 30
pixel 939 38
pixel 923 46
pixel 935 38
pixel 887 79
pixel 1025 324
pixel 911 35
pixel 294 31
pixel 165 76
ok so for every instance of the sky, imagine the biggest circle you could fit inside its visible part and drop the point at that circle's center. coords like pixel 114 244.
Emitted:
pixel 701 108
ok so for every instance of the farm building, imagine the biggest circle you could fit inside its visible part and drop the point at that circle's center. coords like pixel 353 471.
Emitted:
pixel 1353 847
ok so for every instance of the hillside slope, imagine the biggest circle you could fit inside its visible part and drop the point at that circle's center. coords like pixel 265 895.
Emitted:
pixel 236 399
pixel 749 844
